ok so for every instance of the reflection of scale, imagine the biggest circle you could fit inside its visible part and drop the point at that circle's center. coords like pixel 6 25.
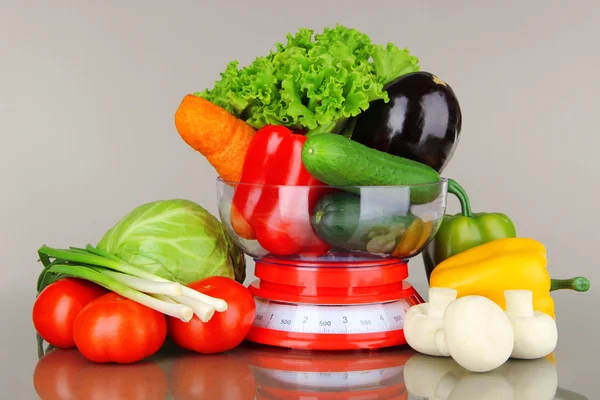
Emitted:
pixel 293 375
pixel 331 305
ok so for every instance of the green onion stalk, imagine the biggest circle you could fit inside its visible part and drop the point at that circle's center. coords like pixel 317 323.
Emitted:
pixel 109 271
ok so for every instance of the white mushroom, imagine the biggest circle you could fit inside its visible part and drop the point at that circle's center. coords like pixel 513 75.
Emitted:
pixel 476 333
pixel 423 320
pixel 536 334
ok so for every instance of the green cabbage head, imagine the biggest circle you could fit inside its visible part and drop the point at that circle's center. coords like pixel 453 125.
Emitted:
pixel 175 239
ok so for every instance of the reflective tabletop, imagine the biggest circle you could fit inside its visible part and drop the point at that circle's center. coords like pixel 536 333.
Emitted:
pixel 261 372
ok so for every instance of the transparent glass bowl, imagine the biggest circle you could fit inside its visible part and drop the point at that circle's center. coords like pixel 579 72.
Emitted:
pixel 320 223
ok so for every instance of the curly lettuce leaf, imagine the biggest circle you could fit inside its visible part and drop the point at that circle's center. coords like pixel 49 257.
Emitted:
pixel 313 82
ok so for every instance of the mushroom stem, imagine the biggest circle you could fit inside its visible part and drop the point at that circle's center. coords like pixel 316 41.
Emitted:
pixel 439 299
pixel 519 303
pixel 440 341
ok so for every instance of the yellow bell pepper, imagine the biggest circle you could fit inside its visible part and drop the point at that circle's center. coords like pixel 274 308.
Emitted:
pixel 503 264
pixel 413 239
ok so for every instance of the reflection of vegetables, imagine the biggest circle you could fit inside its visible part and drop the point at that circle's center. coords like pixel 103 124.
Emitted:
pixel 464 231
pixel 57 306
pixel 278 215
pixel 423 373
pixel 443 379
pixel 339 161
pixel 177 240
pixel 422 321
pixel 504 264
pixel 421 122
pixel 225 330
pixel 114 329
pixel 531 379
pixel 55 376
pixel 133 283
pixel 223 376
pixel 68 375
pixel 476 333
pixel 215 133
pixel 311 83
pixel 143 380
pixel 536 333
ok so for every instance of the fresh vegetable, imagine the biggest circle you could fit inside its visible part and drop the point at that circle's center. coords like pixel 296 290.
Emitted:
pixel 361 222
pixel 421 122
pixel 464 231
pixel 115 329
pixel 201 376
pixel 536 334
pixel 311 83
pixel 476 333
pixel 219 136
pixel 415 237
pixel 279 216
pixel 56 307
pixel 503 264
pixel 225 330
pixel 136 284
pixel 422 321
pixel 177 240
pixel 339 161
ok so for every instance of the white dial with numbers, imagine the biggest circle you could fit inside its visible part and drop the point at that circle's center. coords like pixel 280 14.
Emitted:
pixel 330 319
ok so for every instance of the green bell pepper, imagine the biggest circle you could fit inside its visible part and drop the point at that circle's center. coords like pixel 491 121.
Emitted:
pixel 465 230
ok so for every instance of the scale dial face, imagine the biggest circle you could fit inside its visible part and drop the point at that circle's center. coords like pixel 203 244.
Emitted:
pixel 330 319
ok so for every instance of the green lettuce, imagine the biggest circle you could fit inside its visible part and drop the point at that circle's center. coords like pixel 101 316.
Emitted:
pixel 312 83
pixel 177 240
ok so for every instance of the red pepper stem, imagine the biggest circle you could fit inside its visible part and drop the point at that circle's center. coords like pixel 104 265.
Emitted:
pixel 461 194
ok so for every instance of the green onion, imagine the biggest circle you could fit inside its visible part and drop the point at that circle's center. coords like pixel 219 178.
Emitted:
pixel 109 271
pixel 175 310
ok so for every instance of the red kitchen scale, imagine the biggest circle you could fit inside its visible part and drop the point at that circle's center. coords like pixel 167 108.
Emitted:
pixel 353 297
pixel 330 305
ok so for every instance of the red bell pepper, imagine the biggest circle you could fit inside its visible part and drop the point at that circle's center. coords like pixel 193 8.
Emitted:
pixel 276 211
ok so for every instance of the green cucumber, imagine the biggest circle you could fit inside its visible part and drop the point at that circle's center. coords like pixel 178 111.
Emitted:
pixel 336 219
pixel 339 161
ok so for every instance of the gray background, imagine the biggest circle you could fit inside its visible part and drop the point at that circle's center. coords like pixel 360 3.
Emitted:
pixel 88 91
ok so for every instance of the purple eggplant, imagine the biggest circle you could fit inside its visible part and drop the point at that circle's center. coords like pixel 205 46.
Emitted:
pixel 421 122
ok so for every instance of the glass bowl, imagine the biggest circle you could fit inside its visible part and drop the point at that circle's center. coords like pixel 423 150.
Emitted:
pixel 324 223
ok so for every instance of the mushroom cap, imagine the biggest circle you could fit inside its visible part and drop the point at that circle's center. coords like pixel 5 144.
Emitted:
pixel 478 333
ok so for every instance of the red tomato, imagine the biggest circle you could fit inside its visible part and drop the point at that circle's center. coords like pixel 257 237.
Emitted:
pixel 225 330
pixel 115 329
pixel 56 307
pixel 222 376
pixel 55 374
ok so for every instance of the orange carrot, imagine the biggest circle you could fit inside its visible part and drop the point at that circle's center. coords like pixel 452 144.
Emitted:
pixel 219 136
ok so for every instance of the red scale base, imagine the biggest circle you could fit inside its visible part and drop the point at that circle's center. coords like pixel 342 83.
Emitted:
pixel 331 284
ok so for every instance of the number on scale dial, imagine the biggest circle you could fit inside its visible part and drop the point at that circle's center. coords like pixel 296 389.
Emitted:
pixel 327 319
